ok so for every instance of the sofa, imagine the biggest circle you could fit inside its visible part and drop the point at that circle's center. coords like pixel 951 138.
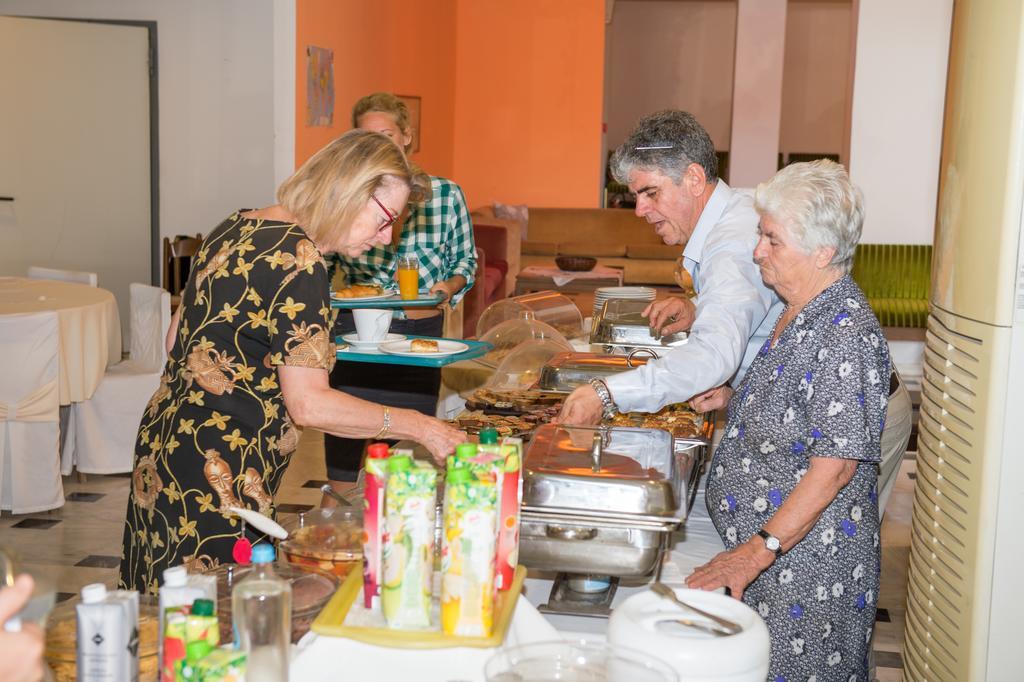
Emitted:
pixel 896 279
pixel 615 236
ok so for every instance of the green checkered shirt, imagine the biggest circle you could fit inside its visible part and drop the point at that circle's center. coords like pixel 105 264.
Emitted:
pixel 438 233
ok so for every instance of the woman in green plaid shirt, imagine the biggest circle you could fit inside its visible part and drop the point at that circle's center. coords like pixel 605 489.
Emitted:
pixel 438 233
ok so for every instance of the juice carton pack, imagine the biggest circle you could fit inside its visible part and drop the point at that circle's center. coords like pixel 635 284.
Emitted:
pixel 408 542
pixel 467 555
pixel 373 520
pixel 509 501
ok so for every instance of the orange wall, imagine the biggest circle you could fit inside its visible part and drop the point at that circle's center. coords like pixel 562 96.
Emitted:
pixel 512 91
pixel 402 46
pixel 529 101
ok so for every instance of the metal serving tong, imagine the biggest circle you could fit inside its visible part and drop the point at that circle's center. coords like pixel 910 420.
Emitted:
pixel 721 627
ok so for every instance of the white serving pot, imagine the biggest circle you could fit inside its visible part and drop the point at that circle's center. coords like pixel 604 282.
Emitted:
pixel 644 622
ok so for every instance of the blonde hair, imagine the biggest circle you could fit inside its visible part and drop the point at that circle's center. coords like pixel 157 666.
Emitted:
pixel 819 205
pixel 327 192
pixel 384 103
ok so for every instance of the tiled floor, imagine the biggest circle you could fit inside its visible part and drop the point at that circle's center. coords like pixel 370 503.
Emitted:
pixel 81 542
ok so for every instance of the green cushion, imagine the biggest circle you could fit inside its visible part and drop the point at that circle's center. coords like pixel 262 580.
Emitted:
pixel 896 278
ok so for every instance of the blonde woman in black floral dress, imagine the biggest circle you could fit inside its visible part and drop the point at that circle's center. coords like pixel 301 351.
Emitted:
pixel 249 355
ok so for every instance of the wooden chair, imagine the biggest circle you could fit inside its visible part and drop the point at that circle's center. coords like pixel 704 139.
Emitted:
pixel 178 255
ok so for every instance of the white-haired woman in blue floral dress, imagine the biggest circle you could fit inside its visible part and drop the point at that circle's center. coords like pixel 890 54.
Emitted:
pixel 793 485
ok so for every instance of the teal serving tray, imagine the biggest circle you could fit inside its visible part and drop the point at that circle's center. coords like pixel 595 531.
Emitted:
pixel 424 301
pixel 476 349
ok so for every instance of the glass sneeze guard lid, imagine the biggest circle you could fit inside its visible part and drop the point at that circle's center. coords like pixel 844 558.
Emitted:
pixel 522 367
pixel 549 307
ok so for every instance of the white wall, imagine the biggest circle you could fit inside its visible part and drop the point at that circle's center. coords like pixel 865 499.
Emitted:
pixel 670 55
pixel 898 102
pixel 217 84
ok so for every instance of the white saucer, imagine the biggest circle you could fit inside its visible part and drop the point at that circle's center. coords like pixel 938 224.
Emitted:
pixel 352 339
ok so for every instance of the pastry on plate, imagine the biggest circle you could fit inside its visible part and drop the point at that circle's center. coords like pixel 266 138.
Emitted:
pixel 423 346
pixel 358 291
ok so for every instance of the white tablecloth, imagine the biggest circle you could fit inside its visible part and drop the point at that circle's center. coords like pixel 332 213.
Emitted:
pixel 89 328
pixel 330 658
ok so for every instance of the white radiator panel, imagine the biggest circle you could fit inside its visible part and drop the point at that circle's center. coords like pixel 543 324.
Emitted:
pixel 953 536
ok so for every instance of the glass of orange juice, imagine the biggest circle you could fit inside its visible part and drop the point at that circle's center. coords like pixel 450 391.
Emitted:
pixel 408 278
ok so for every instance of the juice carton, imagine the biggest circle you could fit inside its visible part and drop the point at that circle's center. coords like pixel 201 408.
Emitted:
pixel 373 520
pixel 467 555
pixel 408 543
pixel 511 496
pixel 222 665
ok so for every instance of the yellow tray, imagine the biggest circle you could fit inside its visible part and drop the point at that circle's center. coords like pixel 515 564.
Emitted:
pixel 332 618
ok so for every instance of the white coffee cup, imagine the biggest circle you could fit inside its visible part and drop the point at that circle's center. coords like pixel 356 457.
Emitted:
pixel 372 324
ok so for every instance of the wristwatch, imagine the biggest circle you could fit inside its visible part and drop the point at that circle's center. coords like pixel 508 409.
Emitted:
pixel 608 407
pixel 771 542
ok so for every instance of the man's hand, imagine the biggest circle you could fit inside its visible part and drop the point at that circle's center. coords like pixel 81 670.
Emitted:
pixel 671 315
pixel 582 408
pixel 713 399
pixel 734 569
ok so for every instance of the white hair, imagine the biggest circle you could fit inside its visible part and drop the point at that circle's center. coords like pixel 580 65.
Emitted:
pixel 819 205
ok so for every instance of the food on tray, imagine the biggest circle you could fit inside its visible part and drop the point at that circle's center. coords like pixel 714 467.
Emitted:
pixel 423 346
pixel 679 420
pixel 359 291
pixel 521 399
pixel 506 425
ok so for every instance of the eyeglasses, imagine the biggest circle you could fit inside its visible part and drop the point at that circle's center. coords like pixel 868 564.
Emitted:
pixel 392 217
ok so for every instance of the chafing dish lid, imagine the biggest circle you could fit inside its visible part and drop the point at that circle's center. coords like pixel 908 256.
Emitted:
pixel 601 471
pixel 565 371
pixel 621 322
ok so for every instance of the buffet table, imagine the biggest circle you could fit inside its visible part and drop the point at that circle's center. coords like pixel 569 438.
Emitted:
pixel 328 658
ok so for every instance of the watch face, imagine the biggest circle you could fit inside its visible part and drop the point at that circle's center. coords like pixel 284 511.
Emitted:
pixel 772 544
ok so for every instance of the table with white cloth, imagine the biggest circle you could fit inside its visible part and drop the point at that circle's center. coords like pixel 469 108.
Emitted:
pixel 89 328
pixel 330 658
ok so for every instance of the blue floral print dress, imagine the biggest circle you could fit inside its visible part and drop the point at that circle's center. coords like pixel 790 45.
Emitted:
pixel 820 391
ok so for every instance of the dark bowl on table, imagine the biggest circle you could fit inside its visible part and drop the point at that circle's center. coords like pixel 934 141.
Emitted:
pixel 576 263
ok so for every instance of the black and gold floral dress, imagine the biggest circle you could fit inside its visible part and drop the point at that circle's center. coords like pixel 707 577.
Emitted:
pixel 216 433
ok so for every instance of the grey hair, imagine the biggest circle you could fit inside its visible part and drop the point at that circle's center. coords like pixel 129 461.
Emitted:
pixel 819 205
pixel 666 141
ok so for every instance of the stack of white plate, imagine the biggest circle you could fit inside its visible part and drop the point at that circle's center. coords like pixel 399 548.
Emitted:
pixel 607 293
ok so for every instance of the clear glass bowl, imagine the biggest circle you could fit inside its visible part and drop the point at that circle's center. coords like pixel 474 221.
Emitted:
pixel 579 661
pixel 311 590
pixel 325 539
pixel 62 642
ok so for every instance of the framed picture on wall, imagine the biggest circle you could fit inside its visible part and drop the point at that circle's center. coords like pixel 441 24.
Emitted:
pixel 413 102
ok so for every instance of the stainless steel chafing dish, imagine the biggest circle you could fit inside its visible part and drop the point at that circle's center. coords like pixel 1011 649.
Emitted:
pixel 620 325
pixel 565 371
pixel 600 500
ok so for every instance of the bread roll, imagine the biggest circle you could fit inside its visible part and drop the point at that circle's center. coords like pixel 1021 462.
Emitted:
pixel 423 346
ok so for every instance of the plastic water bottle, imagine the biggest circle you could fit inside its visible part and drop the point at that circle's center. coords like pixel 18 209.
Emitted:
pixel 261 604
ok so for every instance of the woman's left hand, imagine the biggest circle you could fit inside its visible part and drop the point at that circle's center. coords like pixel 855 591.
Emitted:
pixel 444 290
pixel 734 569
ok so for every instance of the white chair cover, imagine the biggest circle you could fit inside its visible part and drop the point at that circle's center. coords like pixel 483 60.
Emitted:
pixel 106 424
pixel 77 276
pixel 29 414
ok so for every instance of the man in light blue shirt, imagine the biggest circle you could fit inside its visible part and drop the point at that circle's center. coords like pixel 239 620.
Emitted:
pixel 669 163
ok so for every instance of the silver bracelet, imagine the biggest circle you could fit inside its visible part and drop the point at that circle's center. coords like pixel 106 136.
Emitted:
pixel 608 406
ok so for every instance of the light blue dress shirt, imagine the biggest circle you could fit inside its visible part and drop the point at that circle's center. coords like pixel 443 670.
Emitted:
pixel 735 311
